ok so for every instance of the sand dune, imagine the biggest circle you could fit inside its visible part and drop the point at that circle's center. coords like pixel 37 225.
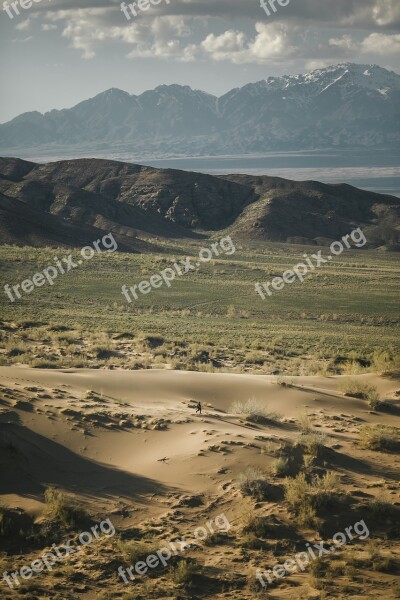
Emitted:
pixel 129 444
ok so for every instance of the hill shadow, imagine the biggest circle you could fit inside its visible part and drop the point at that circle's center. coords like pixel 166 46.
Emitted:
pixel 30 462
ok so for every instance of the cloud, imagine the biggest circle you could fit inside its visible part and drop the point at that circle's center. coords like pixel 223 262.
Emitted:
pixel 367 14
pixel 311 31
pixel 22 40
pixel 23 25
pixel 379 44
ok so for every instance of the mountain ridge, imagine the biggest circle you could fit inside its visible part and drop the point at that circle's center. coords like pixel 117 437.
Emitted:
pixel 140 205
pixel 342 106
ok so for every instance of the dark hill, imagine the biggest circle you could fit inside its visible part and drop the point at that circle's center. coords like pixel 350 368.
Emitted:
pixel 67 201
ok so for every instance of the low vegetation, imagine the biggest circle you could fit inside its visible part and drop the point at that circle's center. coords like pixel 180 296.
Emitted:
pixel 254 483
pixel 255 411
pixel 184 572
pixel 170 328
pixel 380 437
pixel 63 511
pixel 363 390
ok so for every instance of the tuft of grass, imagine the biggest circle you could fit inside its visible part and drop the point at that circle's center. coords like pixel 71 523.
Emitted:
pixel 134 551
pixel 280 466
pixel 253 483
pixel 62 510
pixel 380 438
pixel 257 527
pixel 363 390
pixel 306 498
pixel 183 573
pixel 255 411
pixel 306 424
pixel 312 443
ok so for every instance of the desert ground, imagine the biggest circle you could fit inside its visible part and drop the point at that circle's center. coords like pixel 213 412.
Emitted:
pixel 128 446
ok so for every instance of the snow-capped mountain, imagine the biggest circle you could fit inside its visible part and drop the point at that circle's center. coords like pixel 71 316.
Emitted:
pixel 343 106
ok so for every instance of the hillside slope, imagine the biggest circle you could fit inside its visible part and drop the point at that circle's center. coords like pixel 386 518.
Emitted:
pixel 65 201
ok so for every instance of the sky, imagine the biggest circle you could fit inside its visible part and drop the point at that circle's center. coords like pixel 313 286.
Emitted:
pixel 56 53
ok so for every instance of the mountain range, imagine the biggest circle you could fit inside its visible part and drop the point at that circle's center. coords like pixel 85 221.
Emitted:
pixel 343 106
pixel 72 202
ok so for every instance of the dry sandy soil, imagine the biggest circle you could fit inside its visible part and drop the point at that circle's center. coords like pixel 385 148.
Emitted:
pixel 128 446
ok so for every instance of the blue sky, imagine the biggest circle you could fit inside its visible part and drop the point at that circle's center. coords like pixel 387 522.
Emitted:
pixel 59 52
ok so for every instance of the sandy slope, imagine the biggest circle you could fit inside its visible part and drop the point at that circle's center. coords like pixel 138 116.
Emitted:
pixel 160 394
pixel 105 447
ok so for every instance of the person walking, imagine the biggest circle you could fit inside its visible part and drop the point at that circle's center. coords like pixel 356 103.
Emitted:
pixel 199 408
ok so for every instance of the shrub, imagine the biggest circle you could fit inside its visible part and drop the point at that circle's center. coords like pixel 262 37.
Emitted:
pixel 134 551
pixel 257 526
pixel 255 411
pixel 5 522
pixel 312 443
pixel 184 573
pixel 307 517
pixel 280 466
pixel 365 391
pixel 306 425
pixel 253 483
pixel 303 496
pixel 60 509
pixel 296 489
pixel 251 542
pixel 380 438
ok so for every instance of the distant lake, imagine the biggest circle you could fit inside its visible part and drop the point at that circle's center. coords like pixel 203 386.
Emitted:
pixel 377 171
pixel 372 171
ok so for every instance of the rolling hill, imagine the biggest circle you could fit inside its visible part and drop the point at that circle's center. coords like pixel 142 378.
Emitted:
pixel 69 202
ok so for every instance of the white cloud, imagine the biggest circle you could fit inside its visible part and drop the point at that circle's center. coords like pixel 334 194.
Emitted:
pixel 381 44
pixel 187 37
pixel 23 25
pixel 345 42
pixel 48 27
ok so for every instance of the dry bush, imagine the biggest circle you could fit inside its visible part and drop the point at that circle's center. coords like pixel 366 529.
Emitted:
pixel 253 483
pixel 380 437
pixel 280 466
pixel 63 511
pixel 313 442
pixel 363 390
pixel 184 572
pixel 304 498
pixel 134 551
pixel 255 411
